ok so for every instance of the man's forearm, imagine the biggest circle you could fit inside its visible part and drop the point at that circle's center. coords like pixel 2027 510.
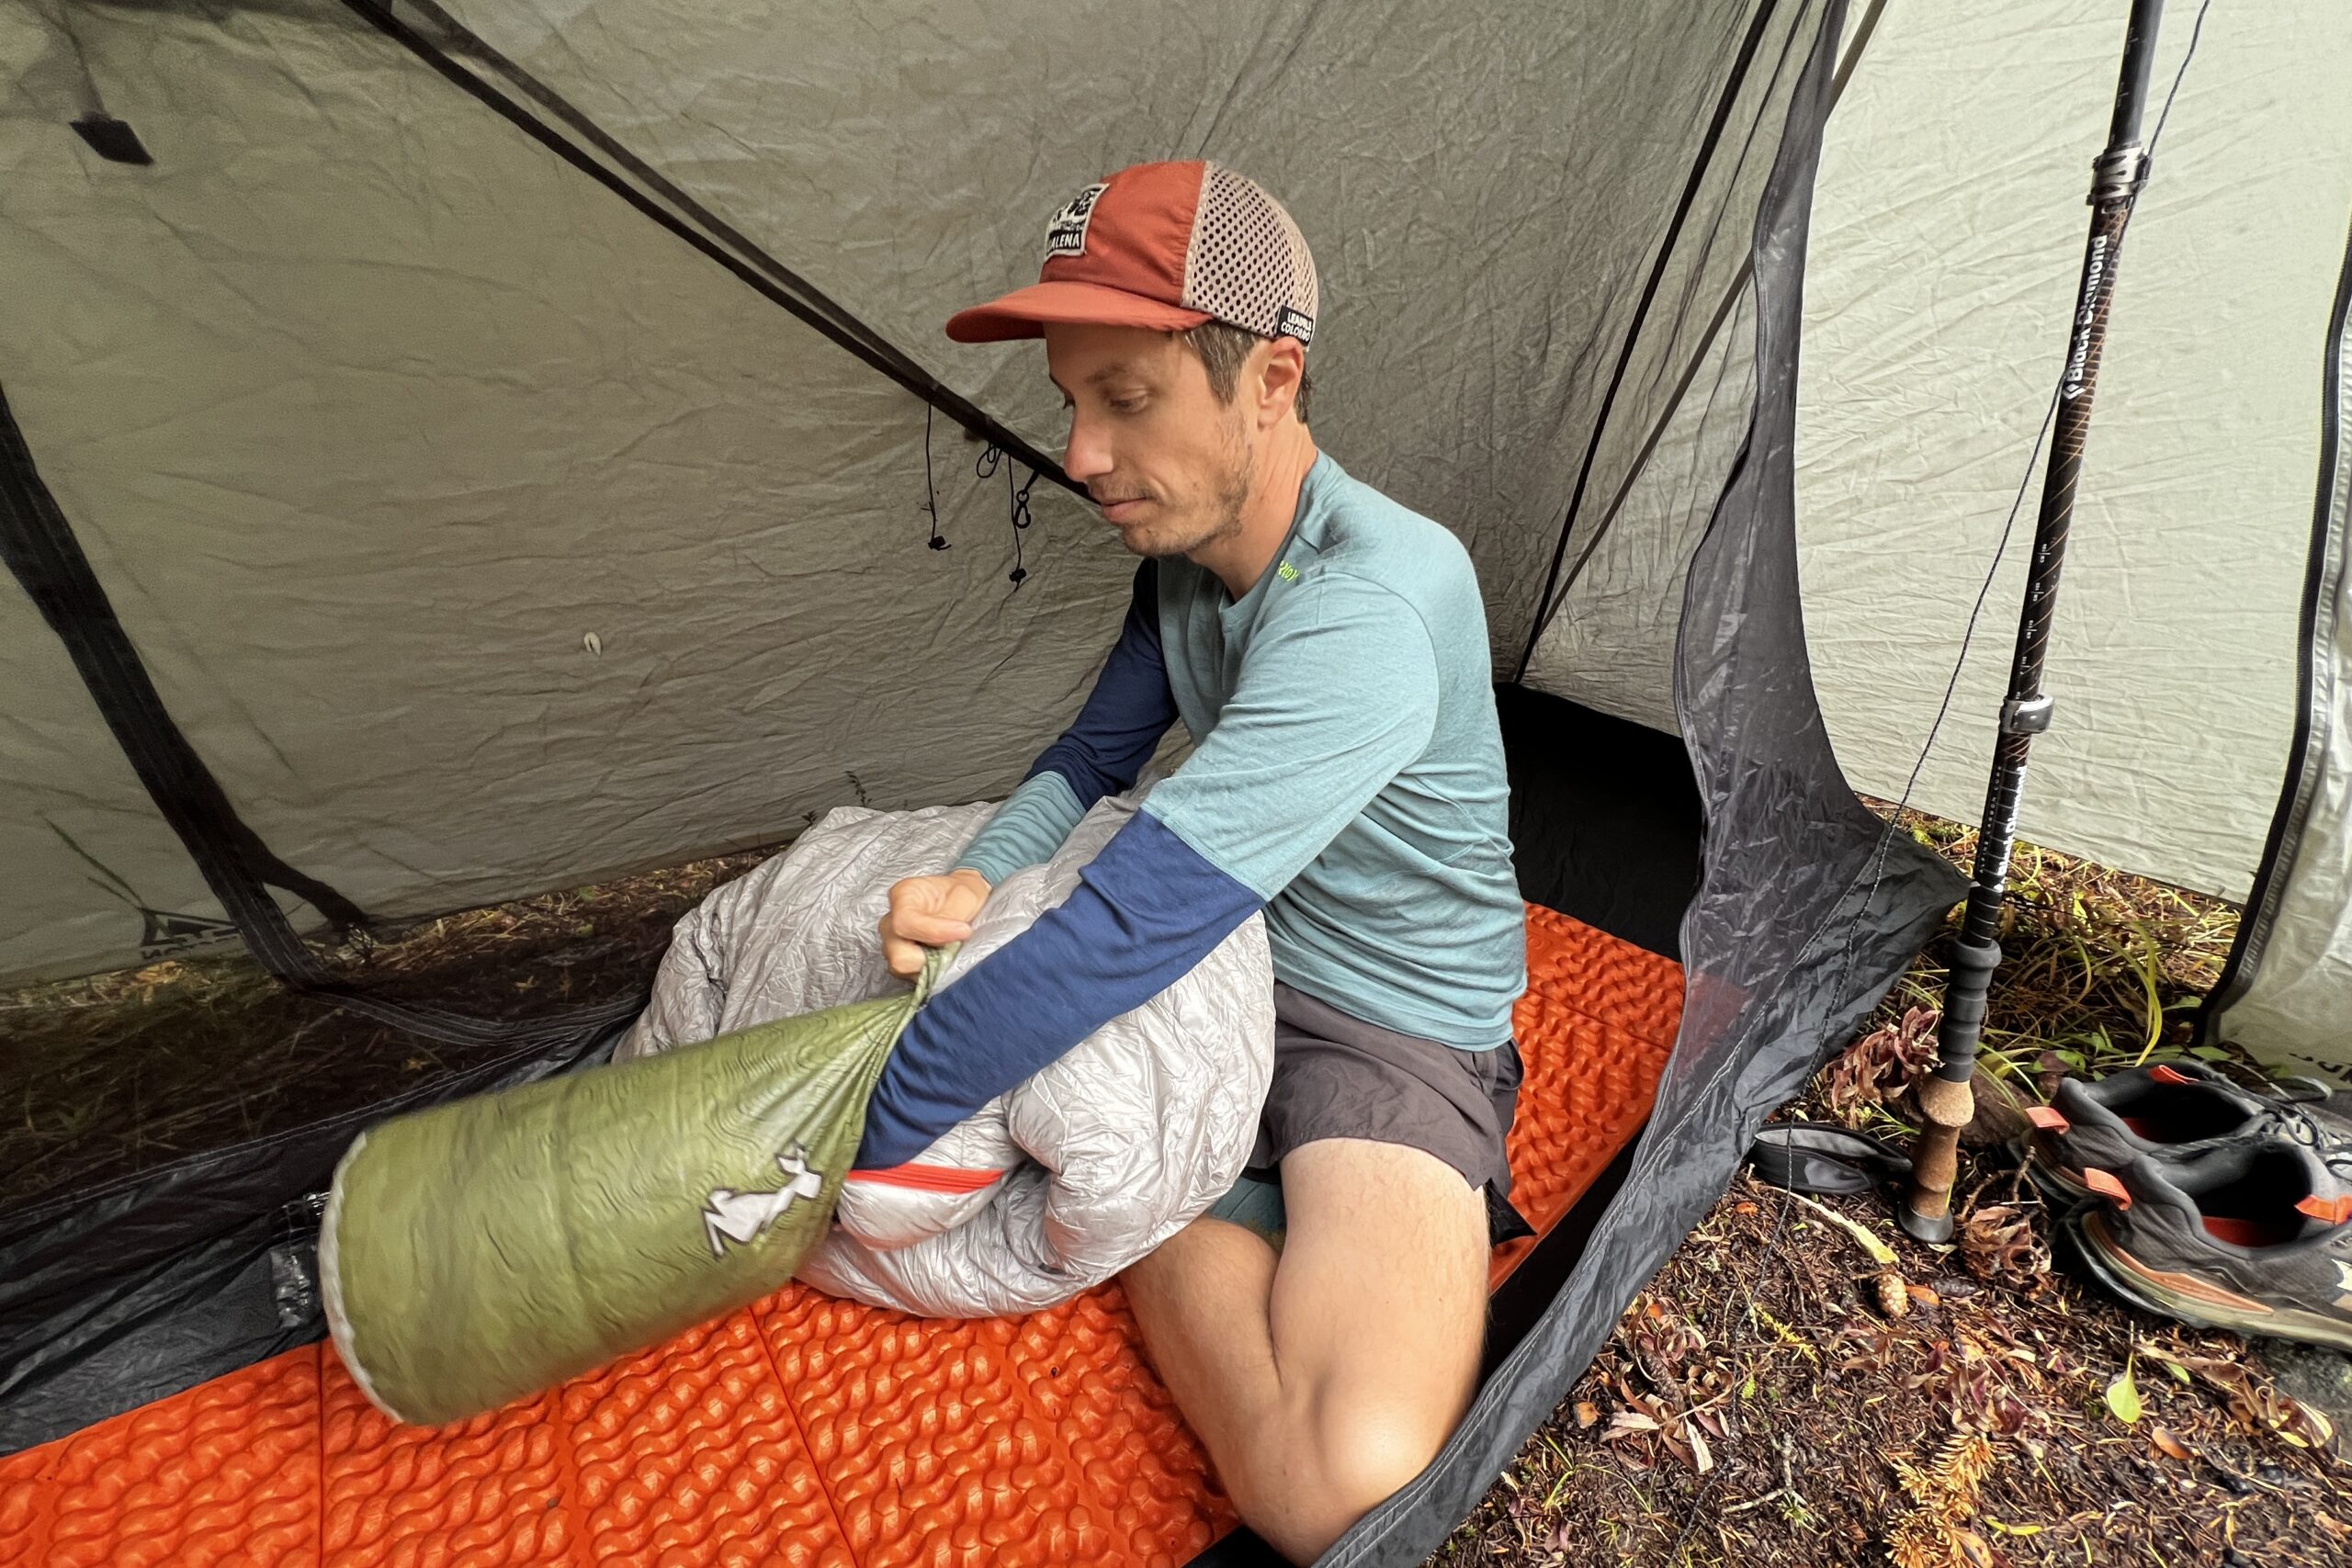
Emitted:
pixel 1145 910
pixel 1026 829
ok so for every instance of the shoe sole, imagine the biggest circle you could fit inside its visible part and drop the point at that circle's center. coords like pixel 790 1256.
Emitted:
pixel 2127 1278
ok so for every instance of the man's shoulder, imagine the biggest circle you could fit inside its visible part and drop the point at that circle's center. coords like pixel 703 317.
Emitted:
pixel 1355 531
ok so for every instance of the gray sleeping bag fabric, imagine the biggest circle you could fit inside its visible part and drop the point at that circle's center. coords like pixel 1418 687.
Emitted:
pixel 1049 1189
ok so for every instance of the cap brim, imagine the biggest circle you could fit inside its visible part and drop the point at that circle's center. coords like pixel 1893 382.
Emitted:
pixel 1026 312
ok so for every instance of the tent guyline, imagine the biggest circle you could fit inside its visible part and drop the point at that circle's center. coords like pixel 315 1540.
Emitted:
pixel 452 45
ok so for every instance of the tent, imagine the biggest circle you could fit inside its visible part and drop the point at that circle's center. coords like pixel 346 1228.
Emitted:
pixel 456 450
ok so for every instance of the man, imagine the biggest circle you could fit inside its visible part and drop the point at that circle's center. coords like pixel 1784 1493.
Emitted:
pixel 1327 651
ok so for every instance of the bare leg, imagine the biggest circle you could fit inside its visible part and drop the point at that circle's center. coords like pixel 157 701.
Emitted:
pixel 1324 1381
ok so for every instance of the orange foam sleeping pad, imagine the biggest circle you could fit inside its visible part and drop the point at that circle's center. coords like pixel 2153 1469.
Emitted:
pixel 802 1431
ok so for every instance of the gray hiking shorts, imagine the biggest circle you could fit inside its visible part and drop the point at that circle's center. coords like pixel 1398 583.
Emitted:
pixel 1338 1077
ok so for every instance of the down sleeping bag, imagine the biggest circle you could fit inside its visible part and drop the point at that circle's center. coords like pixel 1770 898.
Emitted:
pixel 1054 1186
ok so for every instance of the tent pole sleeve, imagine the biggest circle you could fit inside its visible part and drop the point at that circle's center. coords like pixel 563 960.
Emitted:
pixel 1947 1103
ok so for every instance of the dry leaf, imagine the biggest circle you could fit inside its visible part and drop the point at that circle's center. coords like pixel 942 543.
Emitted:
pixel 2260 1407
pixel 1880 1066
pixel 2166 1444
pixel 1924 1296
pixel 1701 1459
pixel 1587 1412
pixel 1999 1244
pixel 1866 1238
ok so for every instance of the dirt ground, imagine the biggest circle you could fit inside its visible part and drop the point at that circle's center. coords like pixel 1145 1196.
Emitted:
pixel 1759 1404
pixel 1779 1394
pixel 128 1070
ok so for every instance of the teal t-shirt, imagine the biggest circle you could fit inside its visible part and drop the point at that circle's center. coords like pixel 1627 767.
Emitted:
pixel 1347 763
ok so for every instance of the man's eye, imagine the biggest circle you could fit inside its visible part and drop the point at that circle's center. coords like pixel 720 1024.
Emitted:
pixel 1125 405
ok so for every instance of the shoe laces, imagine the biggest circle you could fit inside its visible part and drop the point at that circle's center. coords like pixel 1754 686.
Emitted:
pixel 2298 1125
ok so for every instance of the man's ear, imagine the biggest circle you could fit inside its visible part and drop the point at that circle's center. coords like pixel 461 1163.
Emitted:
pixel 1280 365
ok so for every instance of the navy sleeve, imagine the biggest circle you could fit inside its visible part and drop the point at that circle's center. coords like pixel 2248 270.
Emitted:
pixel 1145 910
pixel 1131 707
pixel 1101 753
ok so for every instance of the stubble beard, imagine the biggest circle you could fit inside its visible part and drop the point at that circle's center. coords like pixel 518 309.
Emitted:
pixel 1217 517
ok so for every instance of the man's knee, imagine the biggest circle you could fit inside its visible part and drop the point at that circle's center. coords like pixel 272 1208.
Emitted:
pixel 1358 1454
pixel 1366 1449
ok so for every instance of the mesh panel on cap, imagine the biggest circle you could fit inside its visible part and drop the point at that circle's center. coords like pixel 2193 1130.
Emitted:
pixel 1248 261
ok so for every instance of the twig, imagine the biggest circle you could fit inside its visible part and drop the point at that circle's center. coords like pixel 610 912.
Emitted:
pixel 1881 1253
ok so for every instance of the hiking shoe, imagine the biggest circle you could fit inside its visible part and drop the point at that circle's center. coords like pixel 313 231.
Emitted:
pixel 2251 1236
pixel 2174 1112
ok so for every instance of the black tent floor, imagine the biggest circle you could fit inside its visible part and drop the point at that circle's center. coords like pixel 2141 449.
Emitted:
pixel 805 1429
pixel 1604 817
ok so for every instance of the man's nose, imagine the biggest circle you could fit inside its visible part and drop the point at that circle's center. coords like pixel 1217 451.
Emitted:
pixel 1088 455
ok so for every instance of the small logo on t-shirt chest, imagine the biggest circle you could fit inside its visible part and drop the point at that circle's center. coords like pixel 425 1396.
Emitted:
pixel 1287 573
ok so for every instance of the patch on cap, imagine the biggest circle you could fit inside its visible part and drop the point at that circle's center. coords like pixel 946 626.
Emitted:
pixel 1295 323
pixel 1065 235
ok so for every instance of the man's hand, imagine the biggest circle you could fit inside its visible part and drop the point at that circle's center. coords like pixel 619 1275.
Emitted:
pixel 929 912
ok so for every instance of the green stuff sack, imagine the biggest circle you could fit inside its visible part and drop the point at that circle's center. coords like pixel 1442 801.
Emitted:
pixel 490 1248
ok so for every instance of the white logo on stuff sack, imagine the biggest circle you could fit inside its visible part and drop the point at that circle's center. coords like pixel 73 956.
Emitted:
pixel 1065 235
pixel 739 1217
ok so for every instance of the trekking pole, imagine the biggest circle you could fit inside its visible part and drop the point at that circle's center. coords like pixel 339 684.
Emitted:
pixel 1946 1101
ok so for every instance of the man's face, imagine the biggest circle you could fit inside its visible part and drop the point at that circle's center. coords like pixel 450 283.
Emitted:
pixel 1168 463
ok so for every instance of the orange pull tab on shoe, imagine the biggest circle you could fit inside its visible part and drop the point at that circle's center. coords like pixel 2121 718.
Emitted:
pixel 2333 1211
pixel 2049 1118
pixel 2104 1183
pixel 2168 1075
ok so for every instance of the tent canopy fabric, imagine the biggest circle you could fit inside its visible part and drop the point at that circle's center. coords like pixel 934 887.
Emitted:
pixel 2174 663
pixel 500 442
pixel 588 556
